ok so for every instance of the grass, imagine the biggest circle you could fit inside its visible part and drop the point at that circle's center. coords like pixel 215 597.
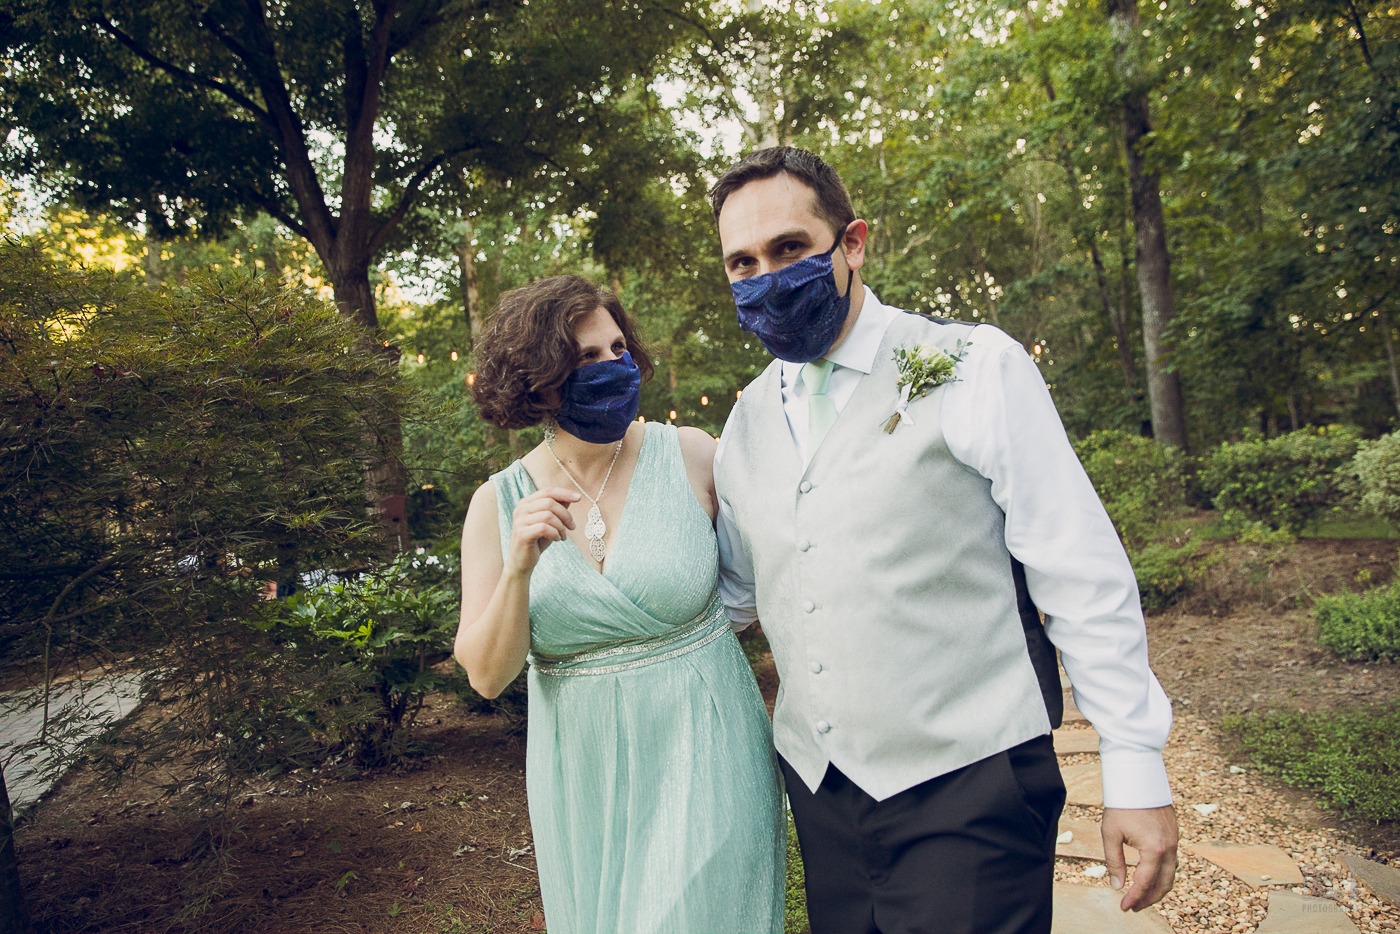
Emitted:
pixel 1346 525
pixel 796 922
pixel 1351 760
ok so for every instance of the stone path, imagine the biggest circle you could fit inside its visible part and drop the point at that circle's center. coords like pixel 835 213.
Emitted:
pixel 79 711
pixel 1084 903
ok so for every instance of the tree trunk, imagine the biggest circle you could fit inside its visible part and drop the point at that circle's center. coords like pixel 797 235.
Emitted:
pixel 1152 257
pixel 14 916
pixel 1383 324
pixel 387 480
pixel 471 288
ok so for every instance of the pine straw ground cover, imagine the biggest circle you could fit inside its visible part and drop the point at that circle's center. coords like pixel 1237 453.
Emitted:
pixel 443 845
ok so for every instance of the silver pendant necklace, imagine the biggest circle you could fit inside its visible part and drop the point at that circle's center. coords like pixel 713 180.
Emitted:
pixel 594 529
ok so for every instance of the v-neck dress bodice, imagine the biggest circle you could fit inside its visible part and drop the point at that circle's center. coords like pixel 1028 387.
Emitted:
pixel 652 781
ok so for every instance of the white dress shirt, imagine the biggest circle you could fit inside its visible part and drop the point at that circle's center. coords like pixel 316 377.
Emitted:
pixel 999 420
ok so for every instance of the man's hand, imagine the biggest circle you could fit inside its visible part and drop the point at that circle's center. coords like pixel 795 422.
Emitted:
pixel 1152 831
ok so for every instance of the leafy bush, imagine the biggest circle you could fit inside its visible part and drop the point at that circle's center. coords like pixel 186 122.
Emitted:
pixel 383 632
pixel 1167 572
pixel 1352 760
pixel 1285 482
pixel 1376 472
pixel 1361 626
pixel 164 451
pixel 1140 481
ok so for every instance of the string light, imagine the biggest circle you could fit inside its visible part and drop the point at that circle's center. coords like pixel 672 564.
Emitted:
pixel 674 416
pixel 471 379
pixel 420 358
pixel 704 400
pixel 454 355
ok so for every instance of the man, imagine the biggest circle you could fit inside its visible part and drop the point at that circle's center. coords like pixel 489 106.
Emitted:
pixel 898 564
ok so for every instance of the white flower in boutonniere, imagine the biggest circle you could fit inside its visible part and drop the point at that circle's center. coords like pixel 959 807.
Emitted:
pixel 921 368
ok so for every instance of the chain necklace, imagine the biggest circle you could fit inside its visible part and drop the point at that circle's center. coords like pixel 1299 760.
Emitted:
pixel 594 529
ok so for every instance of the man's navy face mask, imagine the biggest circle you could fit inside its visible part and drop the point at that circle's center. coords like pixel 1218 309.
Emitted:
pixel 795 311
pixel 601 399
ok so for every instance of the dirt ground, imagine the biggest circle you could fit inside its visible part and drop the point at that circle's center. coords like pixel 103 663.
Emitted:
pixel 444 844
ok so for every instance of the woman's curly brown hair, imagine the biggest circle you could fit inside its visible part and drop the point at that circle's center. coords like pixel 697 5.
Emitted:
pixel 528 348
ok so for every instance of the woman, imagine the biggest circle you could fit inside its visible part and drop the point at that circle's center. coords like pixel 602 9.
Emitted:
pixel 649 767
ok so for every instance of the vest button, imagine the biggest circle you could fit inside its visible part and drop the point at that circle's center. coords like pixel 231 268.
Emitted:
pixel 805 486
pixel 808 606
pixel 803 545
pixel 823 726
pixel 815 668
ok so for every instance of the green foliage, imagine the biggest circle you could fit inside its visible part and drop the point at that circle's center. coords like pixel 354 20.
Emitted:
pixel 1361 626
pixel 1141 482
pixel 1376 468
pixel 795 892
pixel 1285 482
pixel 383 632
pixel 163 453
pixel 1167 572
pixel 1351 760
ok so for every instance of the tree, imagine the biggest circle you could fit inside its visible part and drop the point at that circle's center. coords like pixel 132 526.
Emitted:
pixel 336 120
pixel 164 453
pixel 1153 257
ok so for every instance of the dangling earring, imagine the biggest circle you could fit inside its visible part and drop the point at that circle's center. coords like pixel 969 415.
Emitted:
pixel 551 431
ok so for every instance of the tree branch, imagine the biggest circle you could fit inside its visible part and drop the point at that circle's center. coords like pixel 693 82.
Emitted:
pixel 410 194
pixel 1361 32
pixel 140 51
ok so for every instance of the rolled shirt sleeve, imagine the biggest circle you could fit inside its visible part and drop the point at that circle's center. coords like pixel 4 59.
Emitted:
pixel 1000 421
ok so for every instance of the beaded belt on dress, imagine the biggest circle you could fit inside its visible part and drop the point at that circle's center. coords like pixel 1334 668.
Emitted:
pixel 713 618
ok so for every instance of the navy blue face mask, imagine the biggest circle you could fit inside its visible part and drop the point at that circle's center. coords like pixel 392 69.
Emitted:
pixel 601 400
pixel 795 311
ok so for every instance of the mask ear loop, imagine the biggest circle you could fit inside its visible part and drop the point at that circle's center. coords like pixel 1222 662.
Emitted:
pixel 850 273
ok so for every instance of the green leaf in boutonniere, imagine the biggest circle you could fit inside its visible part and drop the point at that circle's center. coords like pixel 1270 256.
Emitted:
pixel 921 368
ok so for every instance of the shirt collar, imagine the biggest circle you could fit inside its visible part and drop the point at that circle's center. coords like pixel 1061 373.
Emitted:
pixel 858 350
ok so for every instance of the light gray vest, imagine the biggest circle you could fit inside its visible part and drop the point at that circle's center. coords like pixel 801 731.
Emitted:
pixel 905 641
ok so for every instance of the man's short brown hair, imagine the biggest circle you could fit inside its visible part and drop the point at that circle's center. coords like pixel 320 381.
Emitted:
pixel 528 348
pixel 833 203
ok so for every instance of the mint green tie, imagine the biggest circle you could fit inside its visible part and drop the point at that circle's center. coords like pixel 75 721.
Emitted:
pixel 821 411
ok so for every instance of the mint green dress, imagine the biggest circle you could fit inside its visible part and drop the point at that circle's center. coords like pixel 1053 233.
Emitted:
pixel 652 781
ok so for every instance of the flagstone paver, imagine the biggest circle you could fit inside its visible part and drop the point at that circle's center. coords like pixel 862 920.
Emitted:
pixel 1086 842
pixel 1290 913
pixel 95 704
pixel 1083 910
pixel 1083 784
pixel 1384 880
pixel 1073 741
pixel 1072 714
pixel 1254 864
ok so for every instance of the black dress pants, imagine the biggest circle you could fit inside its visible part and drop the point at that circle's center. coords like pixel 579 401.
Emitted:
pixel 969 852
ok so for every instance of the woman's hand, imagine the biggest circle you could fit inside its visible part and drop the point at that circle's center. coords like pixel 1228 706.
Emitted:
pixel 539 520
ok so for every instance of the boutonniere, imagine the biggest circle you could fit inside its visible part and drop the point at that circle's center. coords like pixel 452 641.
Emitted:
pixel 921 368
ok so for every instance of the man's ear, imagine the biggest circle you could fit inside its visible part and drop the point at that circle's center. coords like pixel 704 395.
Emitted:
pixel 853 243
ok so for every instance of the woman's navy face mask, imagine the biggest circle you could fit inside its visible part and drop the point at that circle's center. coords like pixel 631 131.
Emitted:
pixel 601 399
pixel 795 311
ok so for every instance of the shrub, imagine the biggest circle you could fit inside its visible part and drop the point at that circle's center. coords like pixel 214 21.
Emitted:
pixel 1361 626
pixel 383 632
pixel 1167 572
pixel 1140 481
pixel 1375 470
pixel 162 452
pixel 1285 482
pixel 1352 760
